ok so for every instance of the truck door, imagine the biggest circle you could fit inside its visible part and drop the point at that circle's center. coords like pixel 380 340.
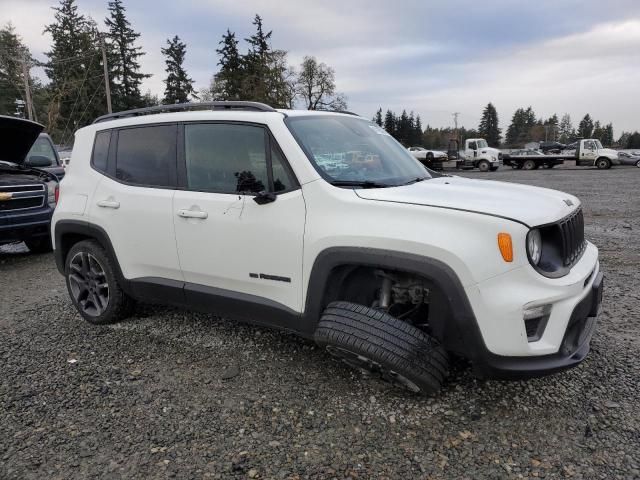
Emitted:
pixel 588 152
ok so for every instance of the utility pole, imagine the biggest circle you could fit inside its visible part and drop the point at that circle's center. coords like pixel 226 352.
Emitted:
pixel 106 73
pixel 455 121
pixel 27 88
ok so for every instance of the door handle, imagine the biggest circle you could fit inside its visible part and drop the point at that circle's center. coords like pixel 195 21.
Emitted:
pixel 108 204
pixel 192 214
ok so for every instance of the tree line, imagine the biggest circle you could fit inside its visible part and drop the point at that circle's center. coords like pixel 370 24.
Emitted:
pixel 75 93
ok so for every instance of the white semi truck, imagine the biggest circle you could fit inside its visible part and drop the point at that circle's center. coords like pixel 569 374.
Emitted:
pixel 476 154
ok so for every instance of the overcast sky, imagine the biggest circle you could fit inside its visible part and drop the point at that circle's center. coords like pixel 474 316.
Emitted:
pixel 433 57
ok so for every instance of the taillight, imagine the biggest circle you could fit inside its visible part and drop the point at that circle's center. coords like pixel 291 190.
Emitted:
pixel 57 193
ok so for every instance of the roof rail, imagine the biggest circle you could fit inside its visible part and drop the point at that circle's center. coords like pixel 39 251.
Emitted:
pixel 183 107
pixel 346 112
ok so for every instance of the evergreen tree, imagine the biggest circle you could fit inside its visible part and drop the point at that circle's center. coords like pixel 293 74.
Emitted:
pixel 585 128
pixel 607 138
pixel 228 81
pixel 598 131
pixel 12 53
pixel 633 140
pixel 522 127
pixel 418 131
pixel 566 129
pixel 178 84
pixel 390 123
pixel 403 129
pixel 267 77
pixel 378 117
pixel 488 127
pixel 125 76
pixel 75 70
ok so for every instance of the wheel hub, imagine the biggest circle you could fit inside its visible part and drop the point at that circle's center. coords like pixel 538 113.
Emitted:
pixel 88 284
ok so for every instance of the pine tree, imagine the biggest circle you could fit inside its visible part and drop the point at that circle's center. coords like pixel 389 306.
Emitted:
pixel 633 140
pixel 566 129
pixel 267 77
pixel 598 131
pixel 488 127
pixel 418 131
pixel 403 128
pixel 75 71
pixel 12 53
pixel 585 128
pixel 178 84
pixel 227 83
pixel 125 76
pixel 607 139
pixel 378 117
pixel 390 123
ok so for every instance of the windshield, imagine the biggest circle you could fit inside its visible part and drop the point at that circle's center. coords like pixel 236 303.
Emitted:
pixel 42 147
pixel 352 151
pixel 598 144
pixel 482 144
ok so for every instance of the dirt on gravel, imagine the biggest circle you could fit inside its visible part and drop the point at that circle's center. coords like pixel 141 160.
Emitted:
pixel 171 393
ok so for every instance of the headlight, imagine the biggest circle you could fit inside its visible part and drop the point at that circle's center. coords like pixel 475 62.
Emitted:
pixel 534 246
pixel 51 193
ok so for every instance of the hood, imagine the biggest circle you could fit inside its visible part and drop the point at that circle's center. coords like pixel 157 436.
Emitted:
pixel 17 136
pixel 609 152
pixel 531 206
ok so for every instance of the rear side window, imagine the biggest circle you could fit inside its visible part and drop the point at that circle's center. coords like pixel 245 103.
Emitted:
pixel 146 155
pixel 101 150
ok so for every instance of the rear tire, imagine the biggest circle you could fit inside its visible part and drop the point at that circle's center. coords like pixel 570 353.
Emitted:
pixel 93 285
pixel 484 166
pixel 603 163
pixel 39 244
pixel 383 346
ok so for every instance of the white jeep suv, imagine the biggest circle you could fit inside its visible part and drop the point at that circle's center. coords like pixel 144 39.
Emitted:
pixel 320 223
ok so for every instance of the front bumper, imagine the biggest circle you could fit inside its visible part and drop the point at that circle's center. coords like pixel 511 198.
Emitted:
pixel 16 226
pixel 505 348
pixel 573 349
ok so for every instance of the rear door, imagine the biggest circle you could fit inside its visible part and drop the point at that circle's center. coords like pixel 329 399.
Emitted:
pixel 229 244
pixel 132 202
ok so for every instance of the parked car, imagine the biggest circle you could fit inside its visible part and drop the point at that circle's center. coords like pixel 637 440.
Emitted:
pixel 626 158
pixel 28 193
pixel 551 147
pixel 320 223
pixel 428 156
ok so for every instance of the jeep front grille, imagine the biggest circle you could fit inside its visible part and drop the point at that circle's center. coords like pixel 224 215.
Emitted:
pixel 21 197
pixel 572 236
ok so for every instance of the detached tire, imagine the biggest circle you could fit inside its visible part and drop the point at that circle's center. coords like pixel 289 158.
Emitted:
pixel 93 285
pixel 383 346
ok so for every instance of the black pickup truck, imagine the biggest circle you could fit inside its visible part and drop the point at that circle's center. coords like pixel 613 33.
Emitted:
pixel 28 184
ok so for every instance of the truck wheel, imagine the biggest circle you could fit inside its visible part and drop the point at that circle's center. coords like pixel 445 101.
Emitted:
pixel 39 244
pixel 484 166
pixel 383 346
pixel 93 285
pixel 529 165
pixel 603 163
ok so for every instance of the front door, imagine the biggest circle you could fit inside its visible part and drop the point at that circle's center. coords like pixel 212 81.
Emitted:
pixel 229 245
pixel 588 152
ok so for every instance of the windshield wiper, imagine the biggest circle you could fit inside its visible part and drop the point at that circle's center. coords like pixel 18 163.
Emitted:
pixel 359 183
pixel 415 180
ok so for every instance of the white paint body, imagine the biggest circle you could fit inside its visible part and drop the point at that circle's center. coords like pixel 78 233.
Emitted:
pixel 450 219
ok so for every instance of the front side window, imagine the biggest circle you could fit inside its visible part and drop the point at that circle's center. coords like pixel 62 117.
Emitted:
pixel 352 151
pixel 482 144
pixel 43 148
pixel 146 155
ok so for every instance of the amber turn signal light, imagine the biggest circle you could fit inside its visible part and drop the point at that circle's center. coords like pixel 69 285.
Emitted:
pixel 506 246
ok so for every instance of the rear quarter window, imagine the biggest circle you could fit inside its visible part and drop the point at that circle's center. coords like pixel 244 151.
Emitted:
pixel 101 150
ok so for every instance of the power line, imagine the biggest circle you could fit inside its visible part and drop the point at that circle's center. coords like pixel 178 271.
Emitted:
pixel 86 74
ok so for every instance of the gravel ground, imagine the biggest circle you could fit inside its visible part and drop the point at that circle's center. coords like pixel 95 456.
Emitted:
pixel 175 394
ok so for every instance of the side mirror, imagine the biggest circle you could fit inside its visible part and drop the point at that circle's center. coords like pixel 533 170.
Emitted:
pixel 38 161
pixel 263 197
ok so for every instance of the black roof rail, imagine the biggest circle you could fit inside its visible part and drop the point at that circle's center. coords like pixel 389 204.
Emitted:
pixel 183 107
pixel 346 112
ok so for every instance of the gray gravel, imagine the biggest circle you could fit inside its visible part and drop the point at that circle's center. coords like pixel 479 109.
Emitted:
pixel 175 394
